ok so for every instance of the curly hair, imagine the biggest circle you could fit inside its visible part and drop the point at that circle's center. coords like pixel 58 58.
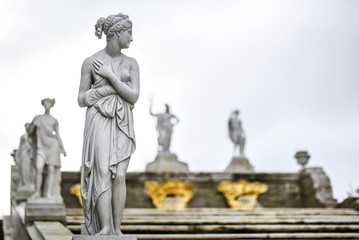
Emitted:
pixel 111 25
pixel 52 100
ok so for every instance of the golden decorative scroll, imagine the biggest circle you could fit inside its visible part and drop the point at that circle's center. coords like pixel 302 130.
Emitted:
pixel 161 193
pixel 76 190
pixel 242 194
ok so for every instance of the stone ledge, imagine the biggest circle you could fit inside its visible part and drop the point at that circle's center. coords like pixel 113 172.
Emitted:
pixel 42 211
pixel 103 237
pixel 53 231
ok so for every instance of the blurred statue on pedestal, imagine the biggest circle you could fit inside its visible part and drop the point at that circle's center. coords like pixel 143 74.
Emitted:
pixel 239 162
pixel 47 200
pixel 109 88
pixel 164 125
pixel 165 160
pixel 24 160
pixel 236 133
pixel 48 149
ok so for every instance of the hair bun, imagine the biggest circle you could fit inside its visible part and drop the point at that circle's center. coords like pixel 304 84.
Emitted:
pixel 99 27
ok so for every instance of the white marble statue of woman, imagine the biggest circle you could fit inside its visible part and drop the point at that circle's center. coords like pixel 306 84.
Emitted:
pixel 109 89
pixel 48 150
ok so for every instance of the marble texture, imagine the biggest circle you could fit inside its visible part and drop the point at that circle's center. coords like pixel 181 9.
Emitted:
pixel 167 162
pixel 109 88
pixel 239 165
pixel 164 125
pixel 24 158
pixel 42 209
pixel 49 146
pixel 236 133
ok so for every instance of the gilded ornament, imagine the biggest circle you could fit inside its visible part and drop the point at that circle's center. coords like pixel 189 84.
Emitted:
pixel 76 190
pixel 242 194
pixel 171 194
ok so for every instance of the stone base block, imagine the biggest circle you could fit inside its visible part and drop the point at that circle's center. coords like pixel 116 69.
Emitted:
pixel 167 162
pixel 23 195
pixel 239 165
pixel 103 237
pixel 42 209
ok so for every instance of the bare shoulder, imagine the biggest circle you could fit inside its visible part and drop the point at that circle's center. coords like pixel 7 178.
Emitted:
pixel 131 61
pixel 88 61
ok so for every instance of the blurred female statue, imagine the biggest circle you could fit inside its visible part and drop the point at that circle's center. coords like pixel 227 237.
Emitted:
pixel 23 158
pixel 109 89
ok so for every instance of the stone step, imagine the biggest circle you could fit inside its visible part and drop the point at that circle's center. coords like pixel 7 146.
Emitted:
pixel 249 236
pixel 233 228
pixel 227 211
pixel 233 224
pixel 231 220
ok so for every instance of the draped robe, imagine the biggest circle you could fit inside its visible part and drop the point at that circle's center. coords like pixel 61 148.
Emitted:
pixel 108 139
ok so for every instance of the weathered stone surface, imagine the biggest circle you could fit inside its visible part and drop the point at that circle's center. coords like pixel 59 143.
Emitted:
pixel 53 231
pixel 18 220
pixel 7 228
pixel 166 162
pixel 103 237
pixel 43 210
pixel 315 188
pixel 239 165
pixel 212 223
pixel 350 202
pixel 284 189
pixel 22 196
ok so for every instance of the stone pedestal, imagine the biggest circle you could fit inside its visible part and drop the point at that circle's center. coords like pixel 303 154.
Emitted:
pixel 42 209
pixel 166 162
pixel 103 237
pixel 239 165
pixel 23 195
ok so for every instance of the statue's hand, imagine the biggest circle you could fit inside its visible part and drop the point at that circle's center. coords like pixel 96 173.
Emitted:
pixel 64 153
pixel 103 69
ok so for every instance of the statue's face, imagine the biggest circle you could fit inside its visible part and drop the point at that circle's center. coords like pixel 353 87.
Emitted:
pixel 125 38
pixel 47 104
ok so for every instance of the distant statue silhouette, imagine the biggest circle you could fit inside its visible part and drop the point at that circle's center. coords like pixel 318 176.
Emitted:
pixel 48 149
pixel 164 125
pixel 236 133
pixel 23 158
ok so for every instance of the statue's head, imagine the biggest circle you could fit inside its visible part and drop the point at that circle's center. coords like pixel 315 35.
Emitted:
pixel 48 103
pixel 113 26
pixel 236 112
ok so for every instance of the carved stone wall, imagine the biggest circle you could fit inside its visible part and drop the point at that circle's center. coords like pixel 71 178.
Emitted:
pixel 316 189
pixel 309 188
pixel 283 188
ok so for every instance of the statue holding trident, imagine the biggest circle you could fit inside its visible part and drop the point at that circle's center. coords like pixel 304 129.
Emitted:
pixel 164 126
pixel 165 160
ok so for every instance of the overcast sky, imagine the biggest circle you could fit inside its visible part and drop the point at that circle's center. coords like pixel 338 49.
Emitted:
pixel 290 67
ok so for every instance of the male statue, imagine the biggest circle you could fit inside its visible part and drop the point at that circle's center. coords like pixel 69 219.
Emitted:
pixel 48 149
pixel 236 133
pixel 164 125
